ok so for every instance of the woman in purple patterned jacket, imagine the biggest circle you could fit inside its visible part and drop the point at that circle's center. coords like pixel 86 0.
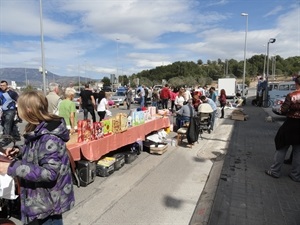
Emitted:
pixel 43 168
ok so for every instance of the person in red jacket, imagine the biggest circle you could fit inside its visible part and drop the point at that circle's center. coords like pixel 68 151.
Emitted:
pixel 165 96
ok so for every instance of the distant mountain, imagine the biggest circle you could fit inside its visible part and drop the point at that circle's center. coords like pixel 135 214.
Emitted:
pixel 35 78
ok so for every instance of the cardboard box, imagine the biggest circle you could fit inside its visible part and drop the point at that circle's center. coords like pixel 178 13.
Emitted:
pixel 161 149
pixel 239 115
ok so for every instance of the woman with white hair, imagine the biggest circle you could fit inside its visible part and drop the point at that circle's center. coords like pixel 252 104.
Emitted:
pixel 67 110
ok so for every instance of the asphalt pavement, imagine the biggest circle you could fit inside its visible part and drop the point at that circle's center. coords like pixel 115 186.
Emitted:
pixel 244 194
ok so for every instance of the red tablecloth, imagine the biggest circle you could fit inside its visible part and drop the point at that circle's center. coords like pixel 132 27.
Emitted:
pixel 94 150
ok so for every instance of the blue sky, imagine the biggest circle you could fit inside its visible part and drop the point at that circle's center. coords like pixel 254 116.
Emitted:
pixel 96 38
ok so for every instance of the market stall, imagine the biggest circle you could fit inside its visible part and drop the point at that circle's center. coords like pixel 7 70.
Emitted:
pixel 94 150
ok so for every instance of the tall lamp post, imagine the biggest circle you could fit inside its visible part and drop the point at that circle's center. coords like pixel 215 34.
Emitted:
pixel 271 40
pixel 265 59
pixel 245 50
pixel 42 47
pixel 117 78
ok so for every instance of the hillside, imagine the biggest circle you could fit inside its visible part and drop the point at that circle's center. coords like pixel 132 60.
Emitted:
pixel 34 77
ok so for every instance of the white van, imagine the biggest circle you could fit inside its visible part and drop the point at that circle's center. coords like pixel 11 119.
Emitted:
pixel 281 90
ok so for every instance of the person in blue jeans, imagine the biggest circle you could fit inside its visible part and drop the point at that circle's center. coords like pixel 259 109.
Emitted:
pixel 8 99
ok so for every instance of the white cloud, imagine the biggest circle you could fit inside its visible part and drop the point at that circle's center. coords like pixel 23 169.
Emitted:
pixel 150 33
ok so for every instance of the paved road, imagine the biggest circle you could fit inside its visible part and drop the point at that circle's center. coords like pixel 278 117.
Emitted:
pixel 154 189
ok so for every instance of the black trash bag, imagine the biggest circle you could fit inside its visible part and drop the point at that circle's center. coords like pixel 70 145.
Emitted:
pixel 192 133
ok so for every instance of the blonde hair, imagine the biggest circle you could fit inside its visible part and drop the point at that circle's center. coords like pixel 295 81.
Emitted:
pixel 69 92
pixel 33 107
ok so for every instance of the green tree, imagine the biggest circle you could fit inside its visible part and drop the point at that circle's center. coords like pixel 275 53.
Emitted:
pixel 106 81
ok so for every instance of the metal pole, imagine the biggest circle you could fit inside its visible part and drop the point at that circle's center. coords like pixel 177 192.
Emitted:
pixel 267 78
pixel 245 50
pixel 26 82
pixel 264 72
pixel 266 95
pixel 42 47
pixel 117 60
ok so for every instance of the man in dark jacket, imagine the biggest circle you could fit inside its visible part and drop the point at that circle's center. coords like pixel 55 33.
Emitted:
pixel 288 135
pixel 88 103
pixel 8 99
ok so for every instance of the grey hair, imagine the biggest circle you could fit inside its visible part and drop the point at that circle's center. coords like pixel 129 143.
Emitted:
pixel 52 86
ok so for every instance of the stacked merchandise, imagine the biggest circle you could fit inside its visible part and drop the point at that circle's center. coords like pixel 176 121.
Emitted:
pixel 85 131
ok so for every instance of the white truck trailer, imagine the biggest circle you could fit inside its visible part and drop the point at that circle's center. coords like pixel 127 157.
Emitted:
pixel 229 85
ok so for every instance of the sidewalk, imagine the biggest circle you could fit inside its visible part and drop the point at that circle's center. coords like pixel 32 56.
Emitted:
pixel 245 194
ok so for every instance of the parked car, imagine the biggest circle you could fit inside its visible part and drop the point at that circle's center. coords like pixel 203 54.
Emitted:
pixel 277 105
pixel 119 96
pixel 158 87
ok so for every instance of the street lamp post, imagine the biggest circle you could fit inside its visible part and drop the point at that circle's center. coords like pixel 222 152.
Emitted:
pixel 42 47
pixel 117 60
pixel 245 50
pixel 271 40
pixel 265 58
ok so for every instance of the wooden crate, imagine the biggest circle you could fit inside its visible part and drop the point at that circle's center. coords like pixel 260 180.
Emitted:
pixel 158 150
